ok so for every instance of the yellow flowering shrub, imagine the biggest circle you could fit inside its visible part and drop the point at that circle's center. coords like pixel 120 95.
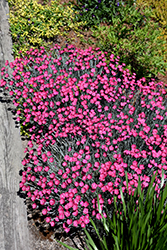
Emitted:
pixel 159 13
pixel 34 25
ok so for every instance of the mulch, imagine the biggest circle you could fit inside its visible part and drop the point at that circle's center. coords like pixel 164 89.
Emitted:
pixel 40 242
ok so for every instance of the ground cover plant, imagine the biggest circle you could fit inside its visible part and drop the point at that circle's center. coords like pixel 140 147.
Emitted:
pixel 89 122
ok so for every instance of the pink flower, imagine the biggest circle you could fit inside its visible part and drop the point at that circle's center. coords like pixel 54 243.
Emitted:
pixel 116 191
pixel 83 225
pixel 52 223
pixel 44 157
pixel 44 211
pixel 94 185
pixel 42 201
pixel 97 155
pixel 85 211
pixel 6 63
pixel 46 169
pixel 63 185
pixel 51 159
pixel 75 223
pixel 33 178
pixel 34 205
pixel 67 230
pixel 49 153
pixel 61 216
pixel 48 219
pixel 98 216
pixel 52 202
pixel 69 221
pixel 52 175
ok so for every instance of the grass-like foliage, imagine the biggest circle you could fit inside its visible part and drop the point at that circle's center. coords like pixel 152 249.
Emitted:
pixel 139 223
pixel 33 25
pixel 88 122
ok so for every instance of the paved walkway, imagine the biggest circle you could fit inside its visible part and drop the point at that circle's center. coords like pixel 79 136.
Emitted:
pixel 13 221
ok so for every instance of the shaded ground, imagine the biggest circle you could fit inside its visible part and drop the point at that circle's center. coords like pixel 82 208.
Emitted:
pixel 40 242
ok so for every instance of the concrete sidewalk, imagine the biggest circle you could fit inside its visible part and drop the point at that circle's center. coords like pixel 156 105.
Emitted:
pixel 14 233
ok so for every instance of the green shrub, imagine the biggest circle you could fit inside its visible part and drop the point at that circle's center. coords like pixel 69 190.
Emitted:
pixel 96 11
pixel 33 25
pixel 160 14
pixel 134 37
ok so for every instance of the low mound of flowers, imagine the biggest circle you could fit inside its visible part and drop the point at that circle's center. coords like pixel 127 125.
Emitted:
pixel 88 122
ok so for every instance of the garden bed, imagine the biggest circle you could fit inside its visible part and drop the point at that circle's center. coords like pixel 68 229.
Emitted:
pixel 46 241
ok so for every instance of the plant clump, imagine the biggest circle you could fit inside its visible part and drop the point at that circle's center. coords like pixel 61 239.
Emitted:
pixel 136 39
pixel 94 12
pixel 33 25
pixel 159 14
pixel 88 122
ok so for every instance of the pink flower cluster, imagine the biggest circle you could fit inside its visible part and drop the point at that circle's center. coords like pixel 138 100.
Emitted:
pixel 89 122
